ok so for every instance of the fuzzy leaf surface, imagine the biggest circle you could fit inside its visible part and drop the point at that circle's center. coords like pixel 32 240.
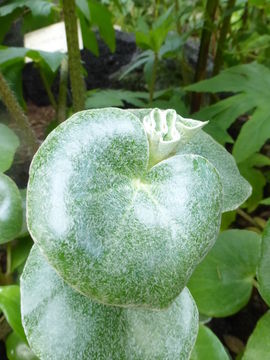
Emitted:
pixel 114 230
pixel 61 324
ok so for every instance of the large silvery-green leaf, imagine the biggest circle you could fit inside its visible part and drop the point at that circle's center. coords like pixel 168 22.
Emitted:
pixel 61 324
pixel 8 145
pixel 11 213
pixel 115 230
pixel 235 188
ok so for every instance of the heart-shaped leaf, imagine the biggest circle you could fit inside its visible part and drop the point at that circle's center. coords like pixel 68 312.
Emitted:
pixel 222 284
pixel 263 273
pixel 258 346
pixel 8 145
pixel 208 346
pixel 114 230
pixel 61 324
pixel 11 213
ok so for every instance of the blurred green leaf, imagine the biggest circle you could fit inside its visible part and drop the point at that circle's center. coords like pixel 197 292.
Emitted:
pixel 9 143
pixel 208 346
pixel 173 43
pixel 13 75
pixel 6 22
pixel 112 97
pixel 38 7
pixel 173 100
pixel 20 251
pixel 10 209
pixel 139 61
pixel 84 8
pixel 88 36
pixel 222 284
pixel 263 272
pixel 52 59
pixel 92 13
pixel 259 160
pixel 17 349
pixel 227 219
pixel 255 131
pixel 251 83
pixel 218 133
pixel 10 306
pixel 257 180
pixel 101 16
pixel 154 38
pixel 265 201
pixel 258 346
pixel 12 55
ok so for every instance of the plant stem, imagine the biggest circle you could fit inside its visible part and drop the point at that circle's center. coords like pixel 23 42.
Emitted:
pixel 48 89
pixel 18 114
pixel 249 219
pixel 74 56
pixel 62 98
pixel 222 36
pixel 153 79
pixel 209 17
pixel 8 266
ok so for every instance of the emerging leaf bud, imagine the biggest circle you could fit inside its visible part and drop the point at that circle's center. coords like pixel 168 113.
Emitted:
pixel 166 132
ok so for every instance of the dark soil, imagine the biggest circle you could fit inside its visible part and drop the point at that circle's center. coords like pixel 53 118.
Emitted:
pixel 3 355
pixel 99 70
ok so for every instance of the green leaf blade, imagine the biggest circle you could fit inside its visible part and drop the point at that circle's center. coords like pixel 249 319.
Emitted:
pixel 258 346
pixel 222 284
pixel 208 346
pixel 10 306
pixel 118 215
pixel 62 324
pixel 11 214
pixel 9 143
pixel 263 272
pixel 252 135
